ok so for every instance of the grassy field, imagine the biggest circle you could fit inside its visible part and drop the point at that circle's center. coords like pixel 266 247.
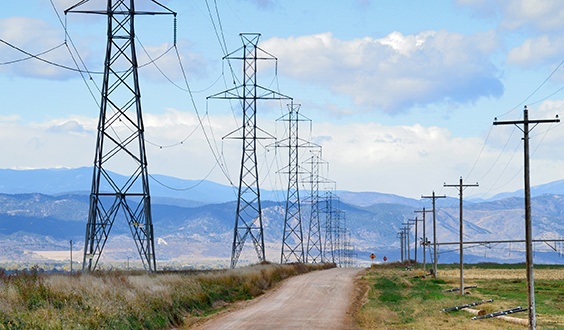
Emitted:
pixel 395 300
pixel 129 300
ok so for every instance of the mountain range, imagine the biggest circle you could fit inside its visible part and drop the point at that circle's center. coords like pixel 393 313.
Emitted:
pixel 42 210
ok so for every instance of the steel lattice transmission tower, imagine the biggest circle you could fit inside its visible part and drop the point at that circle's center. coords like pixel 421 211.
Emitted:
pixel 314 251
pixel 331 214
pixel 292 239
pixel 120 144
pixel 248 219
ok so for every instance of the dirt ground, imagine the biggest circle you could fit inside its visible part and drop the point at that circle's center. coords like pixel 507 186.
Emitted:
pixel 317 300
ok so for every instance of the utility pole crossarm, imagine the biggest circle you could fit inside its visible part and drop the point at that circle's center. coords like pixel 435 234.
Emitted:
pixel 535 121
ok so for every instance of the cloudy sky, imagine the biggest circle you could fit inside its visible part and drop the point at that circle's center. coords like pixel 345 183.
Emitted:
pixel 401 94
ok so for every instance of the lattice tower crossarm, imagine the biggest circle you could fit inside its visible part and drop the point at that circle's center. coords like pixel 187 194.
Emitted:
pixel 248 218
pixel 120 144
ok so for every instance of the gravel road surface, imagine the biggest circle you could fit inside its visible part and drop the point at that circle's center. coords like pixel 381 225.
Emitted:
pixel 317 300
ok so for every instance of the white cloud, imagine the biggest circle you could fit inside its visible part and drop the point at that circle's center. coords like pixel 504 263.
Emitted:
pixel 13 117
pixel 405 160
pixel 396 72
pixel 534 51
pixel 34 36
pixel 541 20
pixel 71 126
pixel 412 160
pixel 543 15
pixel 540 15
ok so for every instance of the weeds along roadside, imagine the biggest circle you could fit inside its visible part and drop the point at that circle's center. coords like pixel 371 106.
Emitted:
pixel 122 300
pixel 395 300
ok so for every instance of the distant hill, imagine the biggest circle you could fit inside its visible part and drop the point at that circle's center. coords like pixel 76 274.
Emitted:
pixel 37 222
pixel 553 188
pixel 37 212
pixel 370 198
pixel 79 181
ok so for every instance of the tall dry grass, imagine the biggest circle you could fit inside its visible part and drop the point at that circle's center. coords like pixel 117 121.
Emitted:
pixel 121 300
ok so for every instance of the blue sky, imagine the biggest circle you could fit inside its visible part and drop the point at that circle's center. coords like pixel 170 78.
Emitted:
pixel 401 94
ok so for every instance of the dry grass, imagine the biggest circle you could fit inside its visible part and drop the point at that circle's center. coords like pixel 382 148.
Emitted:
pixel 478 274
pixel 397 301
pixel 120 300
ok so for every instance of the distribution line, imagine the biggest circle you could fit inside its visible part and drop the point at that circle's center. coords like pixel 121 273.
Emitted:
pixel 533 93
pixel 505 168
pixel 480 154
pixel 525 100
pixel 521 169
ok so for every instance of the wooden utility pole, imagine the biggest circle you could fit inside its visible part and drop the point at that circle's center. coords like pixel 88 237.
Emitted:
pixel 415 237
pixel 461 187
pixel 528 222
pixel 400 236
pixel 434 197
pixel 408 244
pixel 70 256
pixel 424 238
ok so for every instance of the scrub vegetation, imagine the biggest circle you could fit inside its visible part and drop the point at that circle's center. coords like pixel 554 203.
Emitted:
pixel 396 300
pixel 130 300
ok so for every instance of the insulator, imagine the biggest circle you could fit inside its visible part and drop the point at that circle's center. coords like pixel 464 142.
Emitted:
pixel 175 30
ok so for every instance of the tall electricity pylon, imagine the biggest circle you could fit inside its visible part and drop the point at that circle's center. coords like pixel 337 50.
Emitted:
pixel 292 239
pixel 120 144
pixel 248 219
pixel 314 251
pixel 330 219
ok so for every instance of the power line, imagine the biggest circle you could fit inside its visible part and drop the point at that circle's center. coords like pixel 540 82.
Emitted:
pixel 199 117
pixel 47 61
pixel 525 100
pixel 62 66
pixel 533 93
pixel 481 150
pixel 32 56
pixel 187 188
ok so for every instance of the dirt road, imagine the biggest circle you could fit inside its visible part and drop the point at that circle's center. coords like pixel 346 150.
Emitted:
pixel 317 300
